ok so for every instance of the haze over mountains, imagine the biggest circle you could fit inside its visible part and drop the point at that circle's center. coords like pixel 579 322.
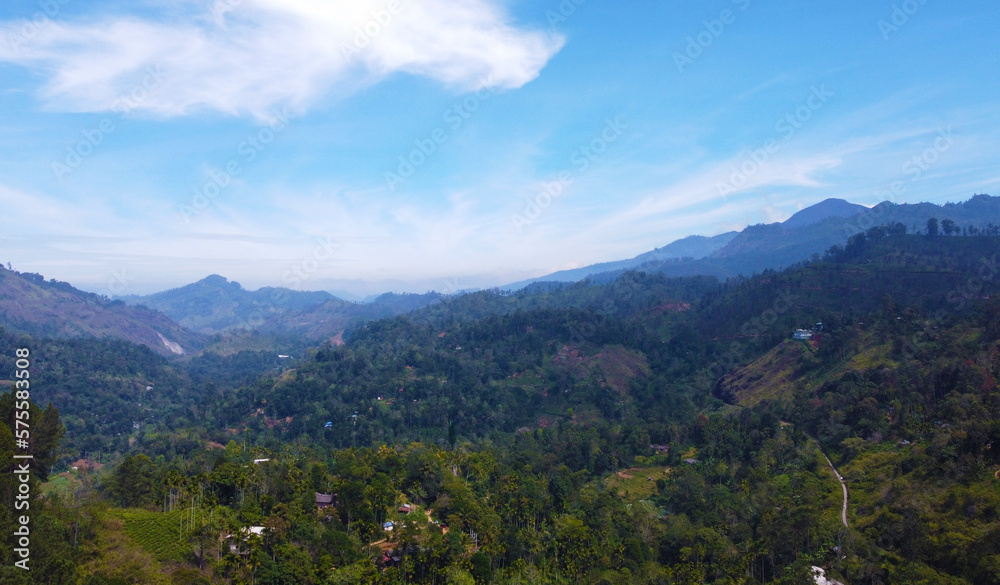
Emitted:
pixel 180 321
pixel 214 305
pixel 812 230
pixel 644 390
pixel 30 304
pixel 691 247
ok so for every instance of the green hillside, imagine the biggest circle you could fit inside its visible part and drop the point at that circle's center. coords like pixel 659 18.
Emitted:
pixel 644 430
pixel 49 308
pixel 158 533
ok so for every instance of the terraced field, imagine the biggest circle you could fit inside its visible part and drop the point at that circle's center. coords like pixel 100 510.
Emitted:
pixel 156 532
pixel 636 483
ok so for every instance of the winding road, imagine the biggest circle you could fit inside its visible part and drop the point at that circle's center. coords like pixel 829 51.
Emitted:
pixel 843 485
pixel 840 478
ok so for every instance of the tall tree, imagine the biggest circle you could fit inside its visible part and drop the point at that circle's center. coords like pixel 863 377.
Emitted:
pixel 131 484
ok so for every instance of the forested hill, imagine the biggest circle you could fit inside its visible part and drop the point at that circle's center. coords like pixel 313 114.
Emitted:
pixel 644 347
pixel 109 391
pixel 779 245
pixel 31 304
pixel 645 430
pixel 336 318
pixel 214 304
pixel 288 317
pixel 897 386
pixel 494 361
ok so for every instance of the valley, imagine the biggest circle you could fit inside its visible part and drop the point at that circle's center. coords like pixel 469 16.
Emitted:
pixel 643 429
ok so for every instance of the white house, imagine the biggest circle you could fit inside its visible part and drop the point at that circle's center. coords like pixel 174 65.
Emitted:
pixel 246 531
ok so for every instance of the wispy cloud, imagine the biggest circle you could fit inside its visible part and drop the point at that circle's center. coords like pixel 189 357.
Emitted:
pixel 703 187
pixel 252 56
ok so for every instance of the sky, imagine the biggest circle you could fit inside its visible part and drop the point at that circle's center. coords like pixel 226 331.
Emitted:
pixel 363 146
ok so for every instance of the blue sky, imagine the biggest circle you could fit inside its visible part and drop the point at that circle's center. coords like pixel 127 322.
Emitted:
pixel 409 145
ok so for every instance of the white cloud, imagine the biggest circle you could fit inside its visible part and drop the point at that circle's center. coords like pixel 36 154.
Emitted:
pixel 704 187
pixel 253 56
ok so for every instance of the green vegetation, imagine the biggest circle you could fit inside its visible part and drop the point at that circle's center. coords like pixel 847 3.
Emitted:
pixel 158 533
pixel 645 430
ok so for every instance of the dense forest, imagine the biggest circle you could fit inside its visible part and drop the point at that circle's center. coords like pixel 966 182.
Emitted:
pixel 643 430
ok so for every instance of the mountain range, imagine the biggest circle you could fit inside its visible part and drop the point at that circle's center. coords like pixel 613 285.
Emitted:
pixel 183 321
pixel 676 410
pixel 812 231
pixel 215 304
pixel 31 304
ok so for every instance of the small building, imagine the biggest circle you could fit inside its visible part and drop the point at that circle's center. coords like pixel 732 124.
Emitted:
pixel 802 334
pixel 388 526
pixel 247 532
pixel 259 461
pixel 660 448
pixel 691 461
pixel 325 500
pixel 391 558
pixel 405 509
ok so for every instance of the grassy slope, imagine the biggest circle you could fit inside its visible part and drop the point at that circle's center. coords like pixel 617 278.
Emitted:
pixel 770 377
pixel 900 493
pixel 30 304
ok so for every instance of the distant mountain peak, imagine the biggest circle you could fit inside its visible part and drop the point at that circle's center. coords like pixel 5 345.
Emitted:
pixel 218 281
pixel 823 210
pixel 691 247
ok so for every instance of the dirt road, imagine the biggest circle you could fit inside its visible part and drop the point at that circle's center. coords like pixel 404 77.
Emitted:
pixel 843 485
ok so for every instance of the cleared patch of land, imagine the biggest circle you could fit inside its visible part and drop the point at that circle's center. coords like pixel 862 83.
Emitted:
pixel 771 377
pixel 636 483
pixel 158 533
pixel 63 484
